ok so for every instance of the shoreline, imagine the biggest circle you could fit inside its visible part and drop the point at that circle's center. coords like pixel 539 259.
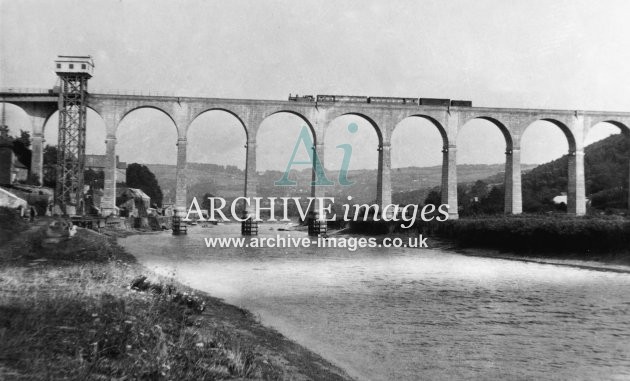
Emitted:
pixel 615 261
pixel 275 323
pixel 605 264
pixel 250 349
pixel 573 263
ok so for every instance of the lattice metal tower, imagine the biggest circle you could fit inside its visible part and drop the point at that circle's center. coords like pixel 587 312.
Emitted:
pixel 73 72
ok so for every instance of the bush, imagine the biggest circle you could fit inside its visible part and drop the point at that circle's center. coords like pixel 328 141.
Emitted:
pixel 616 198
pixel 10 224
pixel 537 233
pixel 85 246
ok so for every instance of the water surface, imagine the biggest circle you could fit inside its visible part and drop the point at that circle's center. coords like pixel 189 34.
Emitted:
pixel 407 314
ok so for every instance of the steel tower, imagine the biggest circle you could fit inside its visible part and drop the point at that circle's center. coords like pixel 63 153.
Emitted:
pixel 73 72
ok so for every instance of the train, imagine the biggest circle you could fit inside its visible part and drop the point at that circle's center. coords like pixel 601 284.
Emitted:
pixel 380 100
pixel 304 98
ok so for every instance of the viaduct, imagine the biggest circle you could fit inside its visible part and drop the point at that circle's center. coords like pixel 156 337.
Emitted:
pixel 512 122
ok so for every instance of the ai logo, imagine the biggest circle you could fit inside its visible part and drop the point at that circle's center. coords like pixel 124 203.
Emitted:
pixel 306 140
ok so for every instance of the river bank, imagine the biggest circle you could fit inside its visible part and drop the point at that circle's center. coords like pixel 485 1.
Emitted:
pixel 595 239
pixel 582 242
pixel 616 263
pixel 83 310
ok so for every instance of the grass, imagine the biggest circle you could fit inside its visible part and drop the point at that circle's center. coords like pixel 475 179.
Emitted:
pixel 83 328
pixel 85 322
pixel 85 310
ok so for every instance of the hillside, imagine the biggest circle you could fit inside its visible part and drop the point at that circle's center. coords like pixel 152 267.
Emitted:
pixel 410 185
pixel 202 178
pixel 606 171
pixel 606 166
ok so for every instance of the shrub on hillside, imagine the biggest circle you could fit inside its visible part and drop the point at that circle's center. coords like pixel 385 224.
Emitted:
pixel 610 198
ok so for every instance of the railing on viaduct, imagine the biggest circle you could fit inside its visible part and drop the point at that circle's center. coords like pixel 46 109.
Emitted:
pixel 182 111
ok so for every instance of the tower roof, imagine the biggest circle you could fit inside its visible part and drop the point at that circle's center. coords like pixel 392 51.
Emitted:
pixel 74 65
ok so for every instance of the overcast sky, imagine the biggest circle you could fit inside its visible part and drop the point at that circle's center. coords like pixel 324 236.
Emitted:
pixel 542 54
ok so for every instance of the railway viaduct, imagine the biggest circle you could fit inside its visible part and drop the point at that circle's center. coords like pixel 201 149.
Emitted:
pixel 512 122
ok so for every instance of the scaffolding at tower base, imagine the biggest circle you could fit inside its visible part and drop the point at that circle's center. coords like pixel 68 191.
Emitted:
pixel 74 73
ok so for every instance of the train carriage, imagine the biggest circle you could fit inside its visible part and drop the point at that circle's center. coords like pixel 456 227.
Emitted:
pixel 386 100
pixel 351 99
pixel 434 102
pixel 459 103
pixel 325 98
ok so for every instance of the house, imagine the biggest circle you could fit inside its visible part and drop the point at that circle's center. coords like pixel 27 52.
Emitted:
pixel 168 209
pixel 19 172
pixel 132 202
pixel 99 163
pixel 12 201
pixel 39 197
pixel 560 199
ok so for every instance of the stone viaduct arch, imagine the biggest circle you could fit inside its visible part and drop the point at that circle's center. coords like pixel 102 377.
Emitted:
pixel 384 117
pixel 199 114
pixel 39 113
pixel 38 116
pixel 512 180
pixel 576 195
pixel 195 117
pixel 448 187
pixel 383 181
pixel 309 121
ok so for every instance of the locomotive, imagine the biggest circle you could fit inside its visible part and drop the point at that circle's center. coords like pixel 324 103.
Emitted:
pixel 381 100
pixel 303 98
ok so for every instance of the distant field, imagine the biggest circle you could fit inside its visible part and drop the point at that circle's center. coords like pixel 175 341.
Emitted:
pixel 410 182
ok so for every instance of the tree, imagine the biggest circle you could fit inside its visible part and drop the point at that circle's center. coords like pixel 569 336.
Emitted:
pixel 205 202
pixel 139 176
pixel 50 162
pixel 24 139
pixel 50 155
pixel 479 190
pixel 480 198
pixel 433 198
pixel 21 148
pixel 494 201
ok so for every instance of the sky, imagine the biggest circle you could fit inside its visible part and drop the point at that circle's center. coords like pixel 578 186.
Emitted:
pixel 531 54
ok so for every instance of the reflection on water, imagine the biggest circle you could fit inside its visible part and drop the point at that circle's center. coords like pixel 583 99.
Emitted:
pixel 415 313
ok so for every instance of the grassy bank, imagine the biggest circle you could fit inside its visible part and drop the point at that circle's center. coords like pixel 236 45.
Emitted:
pixel 584 237
pixel 85 310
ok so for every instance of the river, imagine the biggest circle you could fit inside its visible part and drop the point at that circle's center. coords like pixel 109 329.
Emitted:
pixel 408 314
